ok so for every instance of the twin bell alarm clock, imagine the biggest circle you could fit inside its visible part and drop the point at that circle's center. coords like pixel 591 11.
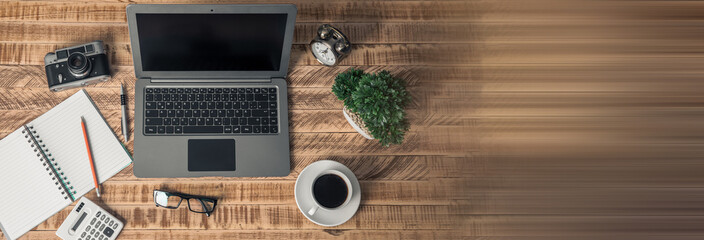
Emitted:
pixel 330 45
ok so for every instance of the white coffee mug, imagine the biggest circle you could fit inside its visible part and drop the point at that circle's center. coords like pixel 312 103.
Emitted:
pixel 348 184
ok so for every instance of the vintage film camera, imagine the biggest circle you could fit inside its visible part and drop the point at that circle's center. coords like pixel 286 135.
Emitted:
pixel 77 66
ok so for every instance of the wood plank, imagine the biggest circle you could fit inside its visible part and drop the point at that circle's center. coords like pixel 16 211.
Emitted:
pixel 301 121
pixel 599 226
pixel 428 54
pixel 449 103
pixel 587 29
pixel 106 98
pixel 387 54
pixel 285 234
pixel 358 33
pixel 445 141
pixel 586 104
pixel 441 141
pixel 270 217
pixel 619 165
pixel 331 234
pixel 365 168
pixel 423 103
pixel 405 234
pixel 231 191
pixel 283 217
pixel 633 201
pixel 365 11
pixel 568 165
pixel 484 79
pixel 401 32
pixel 34 76
pixel 626 129
pixel 578 10
pixel 373 11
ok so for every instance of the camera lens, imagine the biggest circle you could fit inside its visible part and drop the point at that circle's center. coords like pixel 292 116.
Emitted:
pixel 78 64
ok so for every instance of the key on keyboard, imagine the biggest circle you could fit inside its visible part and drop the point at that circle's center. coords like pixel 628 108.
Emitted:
pixel 238 111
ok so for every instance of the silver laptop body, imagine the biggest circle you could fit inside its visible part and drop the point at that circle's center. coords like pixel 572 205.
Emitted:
pixel 211 94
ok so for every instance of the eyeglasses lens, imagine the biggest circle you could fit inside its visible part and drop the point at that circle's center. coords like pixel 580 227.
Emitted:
pixel 200 205
pixel 166 200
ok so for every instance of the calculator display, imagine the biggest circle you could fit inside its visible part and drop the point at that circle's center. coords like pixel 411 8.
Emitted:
pixel 80 220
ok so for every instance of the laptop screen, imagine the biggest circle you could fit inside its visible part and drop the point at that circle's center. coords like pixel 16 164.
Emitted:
pixel 211 42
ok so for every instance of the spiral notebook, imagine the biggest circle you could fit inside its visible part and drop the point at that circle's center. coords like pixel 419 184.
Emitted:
pixel 44 164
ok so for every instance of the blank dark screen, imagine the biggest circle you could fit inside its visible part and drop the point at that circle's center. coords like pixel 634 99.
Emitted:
pixel 211 42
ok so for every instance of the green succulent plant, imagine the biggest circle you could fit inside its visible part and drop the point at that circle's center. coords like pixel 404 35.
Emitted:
pixel 378 99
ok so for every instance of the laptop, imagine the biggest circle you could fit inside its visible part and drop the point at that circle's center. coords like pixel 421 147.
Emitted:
pixel 210 96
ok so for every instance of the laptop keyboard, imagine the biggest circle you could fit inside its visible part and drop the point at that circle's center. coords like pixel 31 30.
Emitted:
pixel 175 111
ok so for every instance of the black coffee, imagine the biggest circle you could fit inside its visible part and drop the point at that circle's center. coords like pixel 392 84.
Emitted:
pixel 330 190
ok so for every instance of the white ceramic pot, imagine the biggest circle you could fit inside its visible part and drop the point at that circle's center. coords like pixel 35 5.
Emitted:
pixel 355 125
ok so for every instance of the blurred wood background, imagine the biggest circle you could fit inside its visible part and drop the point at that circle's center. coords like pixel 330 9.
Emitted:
pixel 542 119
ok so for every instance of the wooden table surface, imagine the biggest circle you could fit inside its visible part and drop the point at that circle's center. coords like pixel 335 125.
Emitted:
pixel 541 119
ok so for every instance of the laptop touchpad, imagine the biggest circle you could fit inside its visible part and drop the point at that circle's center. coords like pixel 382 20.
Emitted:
pixel 211 155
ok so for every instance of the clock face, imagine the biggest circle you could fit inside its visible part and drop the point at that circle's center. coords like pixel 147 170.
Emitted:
pixel 323 53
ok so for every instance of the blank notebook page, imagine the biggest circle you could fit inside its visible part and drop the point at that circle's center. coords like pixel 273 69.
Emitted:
pixel 60 128
pixel 27 185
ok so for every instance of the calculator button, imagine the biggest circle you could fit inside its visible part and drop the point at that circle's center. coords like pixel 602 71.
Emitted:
pixel 111 222
pixel 106 220
pixel 97 214
pixel 87 228
pixel 92 231
pixel 108 232
pixel 102 226
pixel 114 226
pixel 83 234
pixel 101 237
pixel 93 221
pixel 96 234
pixel 102 217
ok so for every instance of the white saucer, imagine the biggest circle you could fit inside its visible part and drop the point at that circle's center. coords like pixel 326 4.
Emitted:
pixel 305 201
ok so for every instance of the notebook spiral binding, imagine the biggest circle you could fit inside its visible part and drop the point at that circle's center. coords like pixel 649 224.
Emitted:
pixel 49 162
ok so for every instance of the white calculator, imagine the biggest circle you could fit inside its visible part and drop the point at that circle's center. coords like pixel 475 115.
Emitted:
pixel 87 221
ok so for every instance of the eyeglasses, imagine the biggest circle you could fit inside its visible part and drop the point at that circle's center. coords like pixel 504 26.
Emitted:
pixel 196 204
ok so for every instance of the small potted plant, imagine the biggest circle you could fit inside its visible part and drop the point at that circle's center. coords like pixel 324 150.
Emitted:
pixel 374 104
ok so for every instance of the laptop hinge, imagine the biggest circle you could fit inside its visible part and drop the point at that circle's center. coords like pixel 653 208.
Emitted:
pixel 210 80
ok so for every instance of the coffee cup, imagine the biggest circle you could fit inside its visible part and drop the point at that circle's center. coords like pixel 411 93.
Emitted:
pixel 330 190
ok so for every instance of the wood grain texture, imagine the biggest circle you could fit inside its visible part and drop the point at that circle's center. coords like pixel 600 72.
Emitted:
pixel 544 119
pixel 274 217
pixel 377 54
pixel 309 11
pixel 269 234
pixel 360 33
